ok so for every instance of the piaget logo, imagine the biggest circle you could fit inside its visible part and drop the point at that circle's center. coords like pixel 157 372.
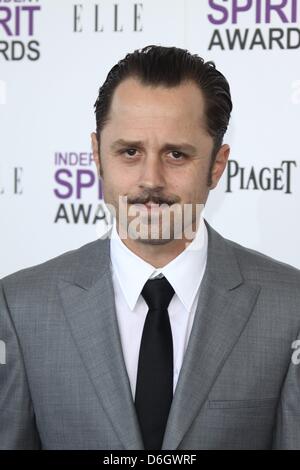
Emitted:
pixel 265 179
pixel 270 24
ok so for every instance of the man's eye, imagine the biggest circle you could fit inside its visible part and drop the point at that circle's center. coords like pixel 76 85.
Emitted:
pixel 177 155
pixel 130 152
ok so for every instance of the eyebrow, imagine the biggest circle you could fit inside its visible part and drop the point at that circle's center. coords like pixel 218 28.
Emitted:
pixel 184 146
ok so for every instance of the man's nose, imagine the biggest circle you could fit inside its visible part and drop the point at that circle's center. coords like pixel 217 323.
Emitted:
pixel 152 174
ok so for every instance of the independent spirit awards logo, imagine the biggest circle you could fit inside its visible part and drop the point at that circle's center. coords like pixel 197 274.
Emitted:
pixel 18 36
pixel 254 24
pixel 75 185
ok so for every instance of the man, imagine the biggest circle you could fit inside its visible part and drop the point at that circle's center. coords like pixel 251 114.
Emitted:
pixel 163 335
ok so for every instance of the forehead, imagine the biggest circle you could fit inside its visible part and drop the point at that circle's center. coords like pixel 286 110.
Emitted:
pixel 134 102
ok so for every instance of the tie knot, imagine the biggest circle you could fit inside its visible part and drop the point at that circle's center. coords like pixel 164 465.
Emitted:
pixel 158 293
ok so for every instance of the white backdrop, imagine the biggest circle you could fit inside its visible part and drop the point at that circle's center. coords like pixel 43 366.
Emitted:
pixel 52 62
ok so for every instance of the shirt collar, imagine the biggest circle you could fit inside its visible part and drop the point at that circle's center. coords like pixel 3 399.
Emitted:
pixel 184 272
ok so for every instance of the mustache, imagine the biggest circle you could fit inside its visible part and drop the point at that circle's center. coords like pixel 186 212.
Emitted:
pixel 153 197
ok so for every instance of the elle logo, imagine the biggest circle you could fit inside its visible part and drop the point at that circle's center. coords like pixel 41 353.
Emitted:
pixel 100 19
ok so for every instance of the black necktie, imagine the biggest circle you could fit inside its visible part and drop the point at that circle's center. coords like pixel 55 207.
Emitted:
pixel 154 386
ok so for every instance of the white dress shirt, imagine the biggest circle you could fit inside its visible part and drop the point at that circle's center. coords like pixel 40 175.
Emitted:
pixel 130 273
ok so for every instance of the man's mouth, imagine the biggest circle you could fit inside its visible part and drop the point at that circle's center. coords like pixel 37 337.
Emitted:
pixel 152 204
pixel 155 206
pixel 150 207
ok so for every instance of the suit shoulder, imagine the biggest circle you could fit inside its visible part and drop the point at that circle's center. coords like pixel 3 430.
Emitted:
pixel 261 267
pixel 62 265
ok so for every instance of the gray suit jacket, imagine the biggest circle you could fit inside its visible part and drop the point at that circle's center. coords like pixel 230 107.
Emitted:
pixel 65 384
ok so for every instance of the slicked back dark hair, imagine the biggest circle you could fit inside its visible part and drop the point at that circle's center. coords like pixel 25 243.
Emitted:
pixel 169 67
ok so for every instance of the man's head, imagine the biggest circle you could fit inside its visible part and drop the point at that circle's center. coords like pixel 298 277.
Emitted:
pixel 161 116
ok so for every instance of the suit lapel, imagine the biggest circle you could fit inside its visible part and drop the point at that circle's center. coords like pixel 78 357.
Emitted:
pixel 88 302
pixel 224 307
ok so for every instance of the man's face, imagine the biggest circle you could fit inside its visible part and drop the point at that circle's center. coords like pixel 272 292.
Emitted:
pixel 154 148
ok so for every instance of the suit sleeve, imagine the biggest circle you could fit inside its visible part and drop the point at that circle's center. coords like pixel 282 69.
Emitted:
pixel 287 427
pixel 17 421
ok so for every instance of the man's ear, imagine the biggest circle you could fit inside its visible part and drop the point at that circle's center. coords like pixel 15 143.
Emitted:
pixel 219 165
pixel 96 155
